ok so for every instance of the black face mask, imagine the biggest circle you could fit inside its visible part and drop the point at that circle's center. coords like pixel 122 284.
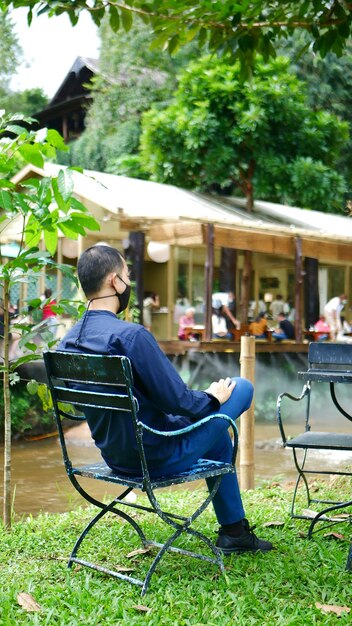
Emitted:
pixel 124 297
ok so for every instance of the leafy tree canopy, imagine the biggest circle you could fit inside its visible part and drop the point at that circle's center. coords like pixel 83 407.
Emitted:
pixel 10 51
pixel 237 28
pixel 221 133
pixel 328 81
pixel 29 101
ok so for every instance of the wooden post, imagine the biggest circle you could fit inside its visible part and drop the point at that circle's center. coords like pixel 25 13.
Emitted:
pixel 311 291
pixel 298 289
pixel 136 256
pixel 209 274
pixel 171 297
pixel 247 365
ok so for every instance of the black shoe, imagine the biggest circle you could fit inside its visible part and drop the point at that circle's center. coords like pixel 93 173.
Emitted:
pixel 247 541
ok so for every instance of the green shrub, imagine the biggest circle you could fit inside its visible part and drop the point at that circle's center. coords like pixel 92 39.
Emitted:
pixel 27 412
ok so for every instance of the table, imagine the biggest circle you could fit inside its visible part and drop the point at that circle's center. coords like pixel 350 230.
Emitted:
pixel 192 331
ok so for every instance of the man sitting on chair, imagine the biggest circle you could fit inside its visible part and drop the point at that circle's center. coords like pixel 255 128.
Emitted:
pixel 165 401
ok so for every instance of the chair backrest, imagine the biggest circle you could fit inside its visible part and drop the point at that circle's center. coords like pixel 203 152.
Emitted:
pixel 330 355
pixel 85 381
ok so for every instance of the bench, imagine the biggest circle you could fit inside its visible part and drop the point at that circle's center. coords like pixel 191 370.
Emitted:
pixel 329 363
pixel 80 382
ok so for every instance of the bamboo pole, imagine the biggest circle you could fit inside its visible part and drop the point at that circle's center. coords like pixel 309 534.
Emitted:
pixel 247 367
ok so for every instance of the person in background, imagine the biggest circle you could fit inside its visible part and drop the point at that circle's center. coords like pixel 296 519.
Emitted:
pixel 261 304
pixel 259 326
pixel 150 303
pixel 285 329
pixel 323 328
pixel 165 402
pixel 186 321
pixel 277 306
pixel 49 314
pixel 226 302
pixel 346 326
pixel 332 314
pixel 219 326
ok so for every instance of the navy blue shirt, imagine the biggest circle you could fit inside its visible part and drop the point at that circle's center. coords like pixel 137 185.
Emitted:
pixel 287 328
pixel 165 401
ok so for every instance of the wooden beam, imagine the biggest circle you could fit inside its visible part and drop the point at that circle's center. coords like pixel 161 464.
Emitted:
pixel 327 250
pixel 255 241
pixel 181 234
pixel 283 245
pixel 190 233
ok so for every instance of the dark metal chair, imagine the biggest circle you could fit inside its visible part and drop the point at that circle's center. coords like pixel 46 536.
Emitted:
pixel 78 382
pixel 329 363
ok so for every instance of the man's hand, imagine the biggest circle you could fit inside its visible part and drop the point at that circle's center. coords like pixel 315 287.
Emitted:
pixel 222 389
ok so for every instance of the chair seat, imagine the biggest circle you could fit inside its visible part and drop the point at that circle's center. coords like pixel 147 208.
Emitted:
pixel 321 441
pixel 331 376
pixel 204 468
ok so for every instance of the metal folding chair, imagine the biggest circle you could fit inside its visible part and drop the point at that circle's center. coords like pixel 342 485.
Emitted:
pixel 80 382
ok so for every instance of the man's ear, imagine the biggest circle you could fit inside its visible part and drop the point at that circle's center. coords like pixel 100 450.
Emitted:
pixel 110 279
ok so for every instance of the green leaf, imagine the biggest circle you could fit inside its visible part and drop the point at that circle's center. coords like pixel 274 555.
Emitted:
pixel 114 18
pixel 32 387
pixel 63 206
pixel 32 154
pixel 50 240
pixel 32 232
pixel 16 130
pixel 5 200
pixel 85 220
pixel 127 20
pixel 45 397
pixel 65 183
pixel 56 140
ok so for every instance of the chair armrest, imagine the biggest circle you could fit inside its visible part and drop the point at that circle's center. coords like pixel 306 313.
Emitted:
pixel 187 429
pixel 305 393
pixel 191 427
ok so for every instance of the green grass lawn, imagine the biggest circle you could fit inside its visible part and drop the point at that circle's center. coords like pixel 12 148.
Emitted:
pixel 278 588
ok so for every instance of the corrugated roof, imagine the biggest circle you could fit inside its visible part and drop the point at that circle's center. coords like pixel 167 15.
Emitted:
pixel 149 201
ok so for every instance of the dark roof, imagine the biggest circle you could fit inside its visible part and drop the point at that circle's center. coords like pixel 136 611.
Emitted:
pixel 67 109
pixel 74 84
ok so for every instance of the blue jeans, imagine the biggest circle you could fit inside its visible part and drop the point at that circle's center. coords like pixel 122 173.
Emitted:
pixel 213 441
pixel 279 336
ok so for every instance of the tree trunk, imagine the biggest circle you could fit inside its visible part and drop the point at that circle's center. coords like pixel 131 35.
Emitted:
pixel 298 289
pixel 311 291
pixel 209 275
pixel 7 414
pixel 245 286
pixel 227 271
pixel 136 258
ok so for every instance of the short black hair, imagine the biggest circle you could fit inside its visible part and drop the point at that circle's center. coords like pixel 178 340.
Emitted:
pixel 94 265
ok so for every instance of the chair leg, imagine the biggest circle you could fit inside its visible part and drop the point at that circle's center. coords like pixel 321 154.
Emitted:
pixel 349 560
pixel 109 507
pixel 179 529
pixel 335 507
pixel 301 476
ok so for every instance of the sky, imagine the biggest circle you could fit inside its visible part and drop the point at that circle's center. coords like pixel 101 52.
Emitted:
pixel 50 47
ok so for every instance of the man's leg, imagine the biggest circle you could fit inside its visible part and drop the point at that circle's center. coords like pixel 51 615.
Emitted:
pixel 235 535
pixel 227 501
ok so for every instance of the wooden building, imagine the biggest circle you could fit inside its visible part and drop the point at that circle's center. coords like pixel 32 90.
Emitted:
pixel 67 109
pixel 183 239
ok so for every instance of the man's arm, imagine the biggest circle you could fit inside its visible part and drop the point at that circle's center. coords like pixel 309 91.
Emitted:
pixel 157 379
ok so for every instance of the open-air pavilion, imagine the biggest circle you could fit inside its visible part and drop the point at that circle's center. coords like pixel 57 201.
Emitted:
pixel 186 243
